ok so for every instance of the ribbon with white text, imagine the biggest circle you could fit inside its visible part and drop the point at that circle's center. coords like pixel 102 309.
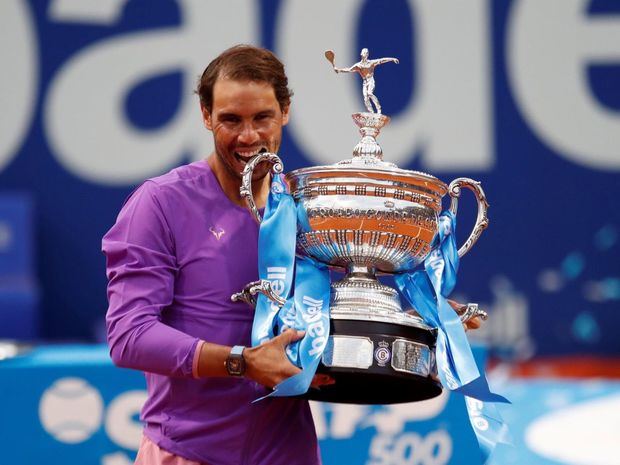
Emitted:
pixel 276 257
pixel 426 290
pixel 307 307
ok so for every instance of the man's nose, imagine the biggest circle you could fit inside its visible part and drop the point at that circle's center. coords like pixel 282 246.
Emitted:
pixel 249 134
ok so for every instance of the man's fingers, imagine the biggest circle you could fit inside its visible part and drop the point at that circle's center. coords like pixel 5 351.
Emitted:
pixel 474 323
pixel 289 336
pixel 455 305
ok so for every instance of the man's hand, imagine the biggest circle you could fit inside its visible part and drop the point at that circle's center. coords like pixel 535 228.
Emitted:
pixel 267 364
pixel 473 323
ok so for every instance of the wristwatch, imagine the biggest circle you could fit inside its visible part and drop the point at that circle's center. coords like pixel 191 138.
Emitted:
pixel 235 363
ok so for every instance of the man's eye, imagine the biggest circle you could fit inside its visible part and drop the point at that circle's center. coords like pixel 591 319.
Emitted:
pixel 229 119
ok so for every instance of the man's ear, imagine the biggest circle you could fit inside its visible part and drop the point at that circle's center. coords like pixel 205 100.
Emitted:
pixel 285 113
pixel 206 117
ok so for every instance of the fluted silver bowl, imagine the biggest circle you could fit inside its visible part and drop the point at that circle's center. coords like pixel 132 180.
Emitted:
pixel 367 216
pixel 379 217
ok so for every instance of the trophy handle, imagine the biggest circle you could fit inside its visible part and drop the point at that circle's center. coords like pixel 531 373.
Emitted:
pixel 470 311
pixel 482 220
pixel 246 180
pixel 248 294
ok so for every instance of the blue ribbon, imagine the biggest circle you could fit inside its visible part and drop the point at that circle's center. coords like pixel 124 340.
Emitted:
pixel 307 308
pixel 426 290
pixel 311 311
pixel 276 257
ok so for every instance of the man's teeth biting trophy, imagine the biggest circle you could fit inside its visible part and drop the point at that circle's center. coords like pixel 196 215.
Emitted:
pixel 367 217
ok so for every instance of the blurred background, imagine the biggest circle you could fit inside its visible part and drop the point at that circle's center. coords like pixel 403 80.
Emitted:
pixel 522 95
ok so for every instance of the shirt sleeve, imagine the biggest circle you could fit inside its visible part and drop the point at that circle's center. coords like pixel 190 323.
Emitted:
pixel 141 269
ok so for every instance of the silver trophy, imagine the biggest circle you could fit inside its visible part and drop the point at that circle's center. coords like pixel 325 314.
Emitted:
pixel 367 217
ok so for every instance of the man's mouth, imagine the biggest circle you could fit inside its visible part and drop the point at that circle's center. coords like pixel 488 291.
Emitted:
pixel 245 155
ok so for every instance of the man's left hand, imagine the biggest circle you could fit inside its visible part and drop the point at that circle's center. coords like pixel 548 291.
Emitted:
pixel 473 323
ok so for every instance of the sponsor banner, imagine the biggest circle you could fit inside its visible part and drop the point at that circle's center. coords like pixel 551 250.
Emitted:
pixel 69 404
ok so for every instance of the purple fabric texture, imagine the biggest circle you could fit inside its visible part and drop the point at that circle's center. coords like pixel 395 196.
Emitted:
pixel 177 252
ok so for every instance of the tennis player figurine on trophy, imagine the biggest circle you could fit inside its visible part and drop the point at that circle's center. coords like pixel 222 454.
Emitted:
pixel 366 217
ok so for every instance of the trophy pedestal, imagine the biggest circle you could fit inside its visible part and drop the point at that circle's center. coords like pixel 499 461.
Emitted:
pixel 378 362
pixel 376 353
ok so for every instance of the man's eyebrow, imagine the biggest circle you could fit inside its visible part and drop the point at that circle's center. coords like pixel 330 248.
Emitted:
pixel 227 114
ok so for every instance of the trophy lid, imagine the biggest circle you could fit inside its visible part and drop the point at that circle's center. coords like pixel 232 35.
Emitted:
pixel 366 173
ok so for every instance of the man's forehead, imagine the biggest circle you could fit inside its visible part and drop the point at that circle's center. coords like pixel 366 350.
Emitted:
pixel 237 91
pixel 226 84
pixel 242 84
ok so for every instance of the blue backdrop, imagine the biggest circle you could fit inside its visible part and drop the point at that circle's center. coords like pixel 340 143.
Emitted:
pixel 521 95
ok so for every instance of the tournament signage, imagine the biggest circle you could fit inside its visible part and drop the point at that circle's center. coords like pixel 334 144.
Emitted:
pixel 69 404
pixel 520 95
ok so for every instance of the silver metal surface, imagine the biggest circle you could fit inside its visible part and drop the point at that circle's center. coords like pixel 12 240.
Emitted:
pixel 366 69
pixel 411 357
pixel 470 311
pixel 368 216
pixel 246 180
pixel 248 294
pixel 348 352
pixel 482 220
pixel 353 292
pixel 377 216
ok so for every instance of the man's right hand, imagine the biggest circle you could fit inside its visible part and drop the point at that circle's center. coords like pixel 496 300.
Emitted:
pixel 267 364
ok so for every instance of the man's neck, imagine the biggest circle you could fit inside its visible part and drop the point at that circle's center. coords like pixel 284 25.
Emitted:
pixel 231 185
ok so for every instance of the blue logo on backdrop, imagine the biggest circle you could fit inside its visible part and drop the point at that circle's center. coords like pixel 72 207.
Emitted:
pixel 98 96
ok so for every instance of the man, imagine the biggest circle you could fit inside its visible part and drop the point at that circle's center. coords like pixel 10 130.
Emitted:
pixel 182 244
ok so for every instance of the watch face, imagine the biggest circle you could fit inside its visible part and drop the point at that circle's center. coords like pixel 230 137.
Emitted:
pixel 234 366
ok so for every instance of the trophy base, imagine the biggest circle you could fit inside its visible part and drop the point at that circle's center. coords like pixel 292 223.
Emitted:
pixel 374 362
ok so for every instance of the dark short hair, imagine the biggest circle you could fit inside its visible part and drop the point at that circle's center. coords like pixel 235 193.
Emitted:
pixel 245 63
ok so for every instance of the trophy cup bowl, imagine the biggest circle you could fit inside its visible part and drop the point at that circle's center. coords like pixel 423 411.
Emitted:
pixel 372 218
pixel 367 217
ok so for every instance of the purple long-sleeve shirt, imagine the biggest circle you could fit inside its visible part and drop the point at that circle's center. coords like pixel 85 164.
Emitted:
pixel 177 252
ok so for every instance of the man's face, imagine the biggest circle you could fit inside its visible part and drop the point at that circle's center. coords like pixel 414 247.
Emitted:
pixel 245 119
